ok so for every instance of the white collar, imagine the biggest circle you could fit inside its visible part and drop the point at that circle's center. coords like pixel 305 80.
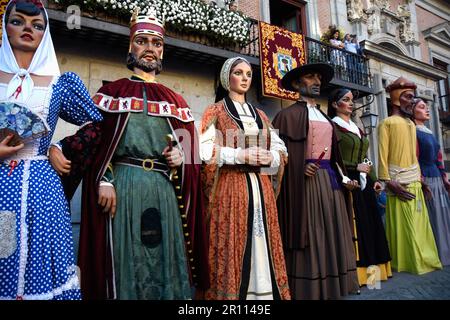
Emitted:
pixel 350 126
pixel 422 128
pixel 315 114
pixel 44 63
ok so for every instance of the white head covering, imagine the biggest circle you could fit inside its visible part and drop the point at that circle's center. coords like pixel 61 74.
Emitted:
pixel 226 69
pixel 44 63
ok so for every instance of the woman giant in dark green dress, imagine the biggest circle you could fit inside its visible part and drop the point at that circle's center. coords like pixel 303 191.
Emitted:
pixel 373 258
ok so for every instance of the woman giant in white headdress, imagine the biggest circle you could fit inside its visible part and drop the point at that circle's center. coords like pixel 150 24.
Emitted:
pixel 238 143
pixel 36 247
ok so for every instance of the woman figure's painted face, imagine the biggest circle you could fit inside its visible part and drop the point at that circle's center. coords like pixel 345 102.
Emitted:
pixel 421 111
pixel 241 78
pixel 25 33
pixel 345 104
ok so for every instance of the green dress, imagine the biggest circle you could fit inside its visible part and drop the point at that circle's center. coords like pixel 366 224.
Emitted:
pixel 353 150
pixel 143 272
pixel 370 236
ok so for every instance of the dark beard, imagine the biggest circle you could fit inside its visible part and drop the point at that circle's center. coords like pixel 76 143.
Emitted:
pixel 407 112
pixel 133 62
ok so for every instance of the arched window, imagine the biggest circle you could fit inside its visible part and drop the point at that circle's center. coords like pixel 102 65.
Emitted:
pixel 391 47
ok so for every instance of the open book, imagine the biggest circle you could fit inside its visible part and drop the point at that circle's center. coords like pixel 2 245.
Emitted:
pixel 21 122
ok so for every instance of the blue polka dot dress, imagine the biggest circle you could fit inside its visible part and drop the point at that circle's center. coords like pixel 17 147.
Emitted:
pixel 36 247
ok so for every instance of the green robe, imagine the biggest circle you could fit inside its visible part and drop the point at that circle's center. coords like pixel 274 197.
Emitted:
pixel 408 229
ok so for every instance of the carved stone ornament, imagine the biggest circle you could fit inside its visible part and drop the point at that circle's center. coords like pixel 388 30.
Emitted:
pixel 381 4
pixel 373 13
pixel 403 11
pixel 355 11
pixel 373 20
pixel 406 33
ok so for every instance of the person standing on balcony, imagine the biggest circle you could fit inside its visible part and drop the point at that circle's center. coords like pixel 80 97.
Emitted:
pixel 238 144
pixel 337 55
pixel 349 46
pixel 232 5
pixel 352 59
pixel 148 181
pixel 36 247
pixel 373 249
pixel 336 41
pixel 314 210
pixel 434 176
pixel 362 74
pixel 410 237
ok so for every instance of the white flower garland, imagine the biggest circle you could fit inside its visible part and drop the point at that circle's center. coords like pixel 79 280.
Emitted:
pixel 182 15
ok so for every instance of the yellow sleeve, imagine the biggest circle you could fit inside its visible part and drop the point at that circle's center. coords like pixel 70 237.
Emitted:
pixel 383 150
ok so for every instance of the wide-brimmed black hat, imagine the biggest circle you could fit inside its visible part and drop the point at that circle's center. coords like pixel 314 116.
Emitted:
pixel 325 70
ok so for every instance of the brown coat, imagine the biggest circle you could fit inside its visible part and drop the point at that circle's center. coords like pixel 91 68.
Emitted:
pixel 293 126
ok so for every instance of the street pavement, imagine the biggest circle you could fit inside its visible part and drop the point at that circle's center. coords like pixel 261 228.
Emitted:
pixel 406 286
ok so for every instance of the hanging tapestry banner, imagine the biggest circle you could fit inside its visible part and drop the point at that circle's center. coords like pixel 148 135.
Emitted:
pixel 280 51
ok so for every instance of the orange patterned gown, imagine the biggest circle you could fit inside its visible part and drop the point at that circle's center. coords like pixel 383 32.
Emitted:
pixel 246 257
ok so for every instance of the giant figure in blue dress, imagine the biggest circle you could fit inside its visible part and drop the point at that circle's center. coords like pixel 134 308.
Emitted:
pixel 36 247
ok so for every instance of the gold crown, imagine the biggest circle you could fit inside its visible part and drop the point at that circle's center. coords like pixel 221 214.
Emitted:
pixel 150 17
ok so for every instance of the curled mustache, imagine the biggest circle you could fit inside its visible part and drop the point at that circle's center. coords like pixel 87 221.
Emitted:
pixel 140 63
pixel 148 53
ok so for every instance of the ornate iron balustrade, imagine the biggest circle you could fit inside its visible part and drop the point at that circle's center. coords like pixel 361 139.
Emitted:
pixel 348 66
pixel 252 47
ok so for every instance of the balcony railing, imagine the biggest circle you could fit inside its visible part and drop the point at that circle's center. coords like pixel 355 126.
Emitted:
pixel 348 67
pixel 252 47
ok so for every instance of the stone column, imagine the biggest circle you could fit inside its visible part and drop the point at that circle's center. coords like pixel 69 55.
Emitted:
pixel 436 125
pixel 265 11
pixel 339 14
pixel 312 19
pixel 447 99
pixel 415 47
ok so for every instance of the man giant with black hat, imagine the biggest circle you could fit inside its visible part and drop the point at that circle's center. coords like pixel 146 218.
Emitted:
pixel 315 215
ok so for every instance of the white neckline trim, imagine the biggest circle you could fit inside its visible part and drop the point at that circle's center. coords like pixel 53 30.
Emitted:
pixel 423 129
pixel 52 82
pixel 350 126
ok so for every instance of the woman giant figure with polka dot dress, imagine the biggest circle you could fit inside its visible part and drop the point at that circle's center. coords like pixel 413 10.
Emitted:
pixel 36 246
